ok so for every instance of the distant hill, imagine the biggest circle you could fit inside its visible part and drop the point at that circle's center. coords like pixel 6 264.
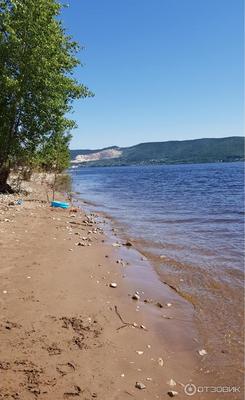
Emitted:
pixel 75 153
pixel 171 152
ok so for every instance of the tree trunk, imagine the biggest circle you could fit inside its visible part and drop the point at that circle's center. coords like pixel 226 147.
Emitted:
pixel 6 150
pixel 4 174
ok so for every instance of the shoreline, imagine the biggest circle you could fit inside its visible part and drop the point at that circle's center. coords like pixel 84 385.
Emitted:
pixel 221 346
pixel 60 332
pixel 140 271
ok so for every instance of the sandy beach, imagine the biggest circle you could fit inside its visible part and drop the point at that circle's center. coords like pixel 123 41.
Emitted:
pixel 65 332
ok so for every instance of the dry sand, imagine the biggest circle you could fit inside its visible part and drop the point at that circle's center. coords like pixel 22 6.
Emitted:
pixel 65 333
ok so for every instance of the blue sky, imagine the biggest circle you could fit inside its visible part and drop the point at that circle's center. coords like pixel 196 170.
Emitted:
pixel 160 70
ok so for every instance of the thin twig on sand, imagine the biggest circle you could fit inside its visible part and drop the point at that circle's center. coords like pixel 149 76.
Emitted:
pixel 125 324
pixel 130 394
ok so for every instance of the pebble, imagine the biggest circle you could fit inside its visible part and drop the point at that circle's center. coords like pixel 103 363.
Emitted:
pixel 139 352
pixel 135 296
pixel 168 304
pixel 5 292
pixel 140 385
pixel 113 285
pixel 143 327
pixel 171 382
pixel 202 352
pixel 172 393
pixel 159 305
pixel 160 362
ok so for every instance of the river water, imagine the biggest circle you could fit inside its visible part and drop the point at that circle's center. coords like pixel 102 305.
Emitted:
pixel 188 220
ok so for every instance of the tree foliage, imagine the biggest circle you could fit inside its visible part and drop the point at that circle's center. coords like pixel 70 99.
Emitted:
pixel 37 88
pixel 54 155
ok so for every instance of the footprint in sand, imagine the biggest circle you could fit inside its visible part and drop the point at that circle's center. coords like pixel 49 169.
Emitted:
pixel 65 368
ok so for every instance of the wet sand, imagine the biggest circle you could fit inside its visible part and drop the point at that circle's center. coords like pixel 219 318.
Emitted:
pixel 65 333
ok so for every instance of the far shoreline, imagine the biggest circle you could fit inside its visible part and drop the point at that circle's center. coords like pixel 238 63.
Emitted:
pixel 88 165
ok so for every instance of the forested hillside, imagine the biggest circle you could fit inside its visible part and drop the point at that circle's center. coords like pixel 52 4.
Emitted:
pixel 171 152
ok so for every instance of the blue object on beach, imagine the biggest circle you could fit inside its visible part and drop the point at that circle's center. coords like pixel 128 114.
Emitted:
pixel 59 204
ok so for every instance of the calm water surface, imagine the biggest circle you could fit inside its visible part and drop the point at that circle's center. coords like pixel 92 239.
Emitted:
pixel 192 216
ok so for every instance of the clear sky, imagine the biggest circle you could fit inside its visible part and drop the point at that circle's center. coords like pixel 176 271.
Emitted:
pixel 160 70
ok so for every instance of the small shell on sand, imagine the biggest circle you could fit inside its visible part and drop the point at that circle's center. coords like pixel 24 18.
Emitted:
pixel 171 382
pixel 113 284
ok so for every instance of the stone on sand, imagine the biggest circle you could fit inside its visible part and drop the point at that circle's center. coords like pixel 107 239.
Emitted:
pixel 202 352
pixel 172 393
pixel 140 385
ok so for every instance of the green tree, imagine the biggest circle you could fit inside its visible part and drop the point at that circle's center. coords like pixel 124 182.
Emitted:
pixel 54 155
pixel 37 88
